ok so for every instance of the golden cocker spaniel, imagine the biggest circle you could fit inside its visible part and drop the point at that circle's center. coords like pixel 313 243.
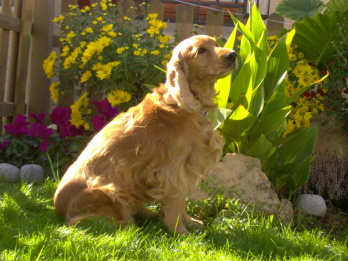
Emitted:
pixel 158 150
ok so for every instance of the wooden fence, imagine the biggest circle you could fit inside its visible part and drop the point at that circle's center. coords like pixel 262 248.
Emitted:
pixel 26 39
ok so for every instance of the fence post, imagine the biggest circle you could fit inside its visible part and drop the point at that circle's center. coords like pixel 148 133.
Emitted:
pixel 184 21
pixel 39 97
pixel 4 44
pixel 23 57
pixel 214 21
pixel 156 7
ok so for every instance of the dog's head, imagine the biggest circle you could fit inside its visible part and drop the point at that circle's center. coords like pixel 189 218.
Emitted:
pixel 196 64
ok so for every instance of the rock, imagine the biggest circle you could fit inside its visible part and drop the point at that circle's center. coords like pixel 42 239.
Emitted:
pixel 239 176
pixel 32 173
pixel 9 172
pixel 312 204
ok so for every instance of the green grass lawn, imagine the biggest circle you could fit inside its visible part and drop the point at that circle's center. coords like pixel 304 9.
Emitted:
pixel 31 230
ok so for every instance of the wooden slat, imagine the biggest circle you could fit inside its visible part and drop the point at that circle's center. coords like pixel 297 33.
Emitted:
pixel 10 23
pixel 214 21
pixel 23 56
pixel 39 97
pixel 156 7
pixel 12 63
pixel 184 21
pixel 6 109
pixel 4 47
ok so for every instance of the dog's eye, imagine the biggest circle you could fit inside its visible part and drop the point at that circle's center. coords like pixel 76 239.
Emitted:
pixel 201 50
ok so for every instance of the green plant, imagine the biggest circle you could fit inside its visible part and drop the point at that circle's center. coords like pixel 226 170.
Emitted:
pixel 259 108
pixel 323 41
pixel 298 9
pixel 105 53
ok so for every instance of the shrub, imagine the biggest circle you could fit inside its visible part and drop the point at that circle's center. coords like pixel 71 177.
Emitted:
pixel 329 178
pixel 106 54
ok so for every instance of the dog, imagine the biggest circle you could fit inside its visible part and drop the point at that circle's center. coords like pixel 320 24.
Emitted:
pixel 158 150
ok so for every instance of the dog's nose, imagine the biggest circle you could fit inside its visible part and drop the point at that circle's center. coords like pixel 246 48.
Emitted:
pixel 231 56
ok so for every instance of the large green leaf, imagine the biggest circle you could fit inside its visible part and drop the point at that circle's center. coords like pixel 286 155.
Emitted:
pixel 298 146
pixel 258 148
pixel 299 9
pixel 314 36
pixel 223 86
pixel 219 116
pixel 336 5
pixel 236 126
pixel 278 64
pixel 270 123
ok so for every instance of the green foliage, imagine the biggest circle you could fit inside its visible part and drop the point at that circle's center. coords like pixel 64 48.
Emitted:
pixel 314 36
pixel 21 150
pixel 260 108
pixel 299 9
pixel 336 5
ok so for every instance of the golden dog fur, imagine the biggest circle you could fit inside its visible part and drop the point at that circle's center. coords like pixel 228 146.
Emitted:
pixel 158 150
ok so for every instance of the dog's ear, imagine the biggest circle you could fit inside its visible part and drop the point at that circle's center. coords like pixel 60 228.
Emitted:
pixel 178 92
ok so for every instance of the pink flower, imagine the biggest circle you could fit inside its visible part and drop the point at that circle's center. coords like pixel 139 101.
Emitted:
pixel 107 113
pixel 19 126
pixel 4 144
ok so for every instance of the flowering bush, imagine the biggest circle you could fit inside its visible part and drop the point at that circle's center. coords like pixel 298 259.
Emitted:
pixel 107 54
pixel 300 75
pixel 61 142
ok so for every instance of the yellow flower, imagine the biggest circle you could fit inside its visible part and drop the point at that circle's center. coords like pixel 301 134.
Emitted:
pixel 112 34
pixel 120 50
pixel 152 16
pixel 89 30
pixel 164 39
pixel 54 91
pixel 164 62
pixel 155 52
pixel 58 19
pixel 103 71
pixel 48 64
pixel 86 76
pixel 300 55
pixel 107 28
pixel 72 7
pixel 137 53
pixel 117 97
pixel 103 6
pixel 77 109
pixel 71 59
pixel 99 19
pixel 292 57
pixel 65 51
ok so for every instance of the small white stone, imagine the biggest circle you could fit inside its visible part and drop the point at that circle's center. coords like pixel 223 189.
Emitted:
pixel 32 173
pixel 312 204
pixel 9 172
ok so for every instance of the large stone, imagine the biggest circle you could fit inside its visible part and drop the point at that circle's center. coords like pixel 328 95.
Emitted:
pixel 239 176
pixel 9 172
pixel 312 204
pixel 32 173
